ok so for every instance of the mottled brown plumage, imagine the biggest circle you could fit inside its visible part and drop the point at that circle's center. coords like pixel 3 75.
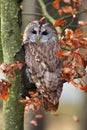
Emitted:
pixel 41 44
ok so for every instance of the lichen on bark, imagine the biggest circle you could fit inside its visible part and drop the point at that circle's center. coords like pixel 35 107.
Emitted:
pixel 10 37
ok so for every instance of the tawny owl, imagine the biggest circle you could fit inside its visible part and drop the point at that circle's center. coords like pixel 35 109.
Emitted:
pixel 40 42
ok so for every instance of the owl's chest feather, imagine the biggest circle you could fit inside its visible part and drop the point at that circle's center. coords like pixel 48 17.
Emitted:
pixel 42 54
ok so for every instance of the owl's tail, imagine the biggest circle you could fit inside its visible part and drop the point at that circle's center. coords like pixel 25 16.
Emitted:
pixel 48 106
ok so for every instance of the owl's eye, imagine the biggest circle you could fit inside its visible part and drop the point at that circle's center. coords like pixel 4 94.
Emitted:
pixel 34 32
pixel 44 33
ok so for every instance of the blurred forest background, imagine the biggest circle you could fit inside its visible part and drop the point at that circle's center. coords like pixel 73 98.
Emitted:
pixel 73 101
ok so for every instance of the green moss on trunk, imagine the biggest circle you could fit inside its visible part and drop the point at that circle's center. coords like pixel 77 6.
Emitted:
pixel 10 37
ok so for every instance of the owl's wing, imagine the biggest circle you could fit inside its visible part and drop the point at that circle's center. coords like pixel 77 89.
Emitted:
pixel 20 54
pixel 28 86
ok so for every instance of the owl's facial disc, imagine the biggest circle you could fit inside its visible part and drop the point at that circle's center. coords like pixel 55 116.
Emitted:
pixel 33 32
pixel 46 34
pixel 38 33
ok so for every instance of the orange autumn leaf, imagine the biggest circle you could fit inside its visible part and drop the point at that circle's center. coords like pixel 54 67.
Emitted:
pixel 54 114
pixel 62 54
pixel 75 118
pixel 77 3
pixel 65 77
pixel 59 54
pixel 83 87
pixel 70 43
pixel 33 122
pixel 66 70
pixel 82 23
pixel 74 83
pixel 78 33
pixel 79 59
pixel 39 116
pixel 68 33
pixel 17 65
pixel 60 11
pixel 67 1
pixel 59 23
pixel 5 96
pixel 56 4
pixel 9 69
pixel 42 20
pixel 69 9
pixel 4 85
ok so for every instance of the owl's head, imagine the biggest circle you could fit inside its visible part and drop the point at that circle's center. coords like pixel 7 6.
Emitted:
pixel 39 32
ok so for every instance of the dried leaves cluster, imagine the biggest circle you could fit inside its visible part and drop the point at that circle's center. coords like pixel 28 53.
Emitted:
pixel 8 70
pixel 67 8
pixel 73 44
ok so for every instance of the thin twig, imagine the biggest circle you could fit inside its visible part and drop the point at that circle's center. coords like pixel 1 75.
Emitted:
pixel 69 16
pixel 47 15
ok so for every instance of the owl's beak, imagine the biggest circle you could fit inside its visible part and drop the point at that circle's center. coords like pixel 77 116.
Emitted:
pixel 38 39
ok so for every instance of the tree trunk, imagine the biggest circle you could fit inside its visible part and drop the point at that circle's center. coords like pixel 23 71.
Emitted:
pixel 10 37
pixel 1 54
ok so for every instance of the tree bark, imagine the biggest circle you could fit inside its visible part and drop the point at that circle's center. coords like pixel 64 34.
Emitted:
pixel 10 37
pixel 1 54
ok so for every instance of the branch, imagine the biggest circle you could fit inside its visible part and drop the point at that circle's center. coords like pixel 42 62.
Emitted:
pixel 47 15
pixel 43 6
pixel 28 13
